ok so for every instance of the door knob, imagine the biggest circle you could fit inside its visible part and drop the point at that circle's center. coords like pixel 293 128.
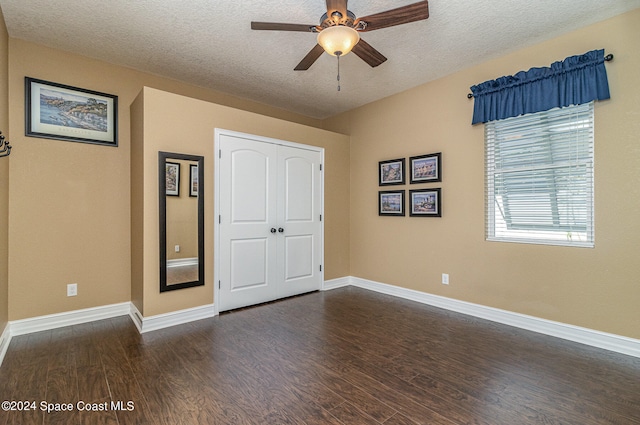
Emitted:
pixel 273 230
pixel 280 229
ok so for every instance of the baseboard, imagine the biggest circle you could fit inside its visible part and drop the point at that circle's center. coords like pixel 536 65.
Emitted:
pixel 5 339
pixel 136 316
pixel 336 283
pixel 607 341
pixel 161 321
pixel 68 318
pixel 180 262
pixel 144 324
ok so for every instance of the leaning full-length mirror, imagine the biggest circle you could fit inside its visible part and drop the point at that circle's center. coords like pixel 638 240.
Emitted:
pixel 181 195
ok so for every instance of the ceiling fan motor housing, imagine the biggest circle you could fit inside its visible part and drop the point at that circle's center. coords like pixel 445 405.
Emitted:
pixel 336 18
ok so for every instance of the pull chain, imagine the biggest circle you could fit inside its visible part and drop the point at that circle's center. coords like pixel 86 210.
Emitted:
pixel 338 55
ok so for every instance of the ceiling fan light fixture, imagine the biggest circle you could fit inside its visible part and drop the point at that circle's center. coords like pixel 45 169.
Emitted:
pixel 338 40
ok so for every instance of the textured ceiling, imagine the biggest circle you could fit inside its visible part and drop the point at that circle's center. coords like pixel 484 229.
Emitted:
pixel 209 43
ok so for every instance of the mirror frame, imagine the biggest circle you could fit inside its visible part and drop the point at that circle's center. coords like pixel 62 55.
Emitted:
pixel 162 183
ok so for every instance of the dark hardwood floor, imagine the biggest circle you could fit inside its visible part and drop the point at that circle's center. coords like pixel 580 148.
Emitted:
pixel 346 356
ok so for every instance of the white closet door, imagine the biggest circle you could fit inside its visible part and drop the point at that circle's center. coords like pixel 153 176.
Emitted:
pixel 299 208
pixel 270 230
pixel 248 181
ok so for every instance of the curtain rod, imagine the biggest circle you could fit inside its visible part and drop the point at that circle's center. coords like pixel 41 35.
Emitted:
pixel 607 58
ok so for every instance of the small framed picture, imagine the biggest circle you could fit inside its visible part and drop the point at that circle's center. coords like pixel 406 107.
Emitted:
pixel 391 202
pixel 58 111
pixel 425 203
pixel 426 168
pixel 172 176
pixel 193 182
pixel 391 172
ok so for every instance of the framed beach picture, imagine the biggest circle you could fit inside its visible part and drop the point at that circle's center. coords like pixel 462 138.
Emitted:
pixel 391 202
pixel 426 168
pixel 391 172
pixel 425 203
pixel 193 181
pixel 172 177
pixel 57 111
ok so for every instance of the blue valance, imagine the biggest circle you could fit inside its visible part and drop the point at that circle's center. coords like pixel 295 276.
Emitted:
pixel 576 80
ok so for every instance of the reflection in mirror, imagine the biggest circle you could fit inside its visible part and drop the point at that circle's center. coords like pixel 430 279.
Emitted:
pixel 181 204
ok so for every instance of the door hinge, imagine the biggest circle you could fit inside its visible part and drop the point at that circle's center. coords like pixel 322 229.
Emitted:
pixel 219 219
pixel 219 153
pixel 320 217
pixel 219 285
pixel 320 167
pixel 320 267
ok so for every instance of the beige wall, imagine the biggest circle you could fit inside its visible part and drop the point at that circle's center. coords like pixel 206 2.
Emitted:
pixel 4 178
pixel 69 203
pixel 594 288
pixel 137 204
pixel 169 117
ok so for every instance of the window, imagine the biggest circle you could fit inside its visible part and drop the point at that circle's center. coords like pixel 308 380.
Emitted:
pixel 539 181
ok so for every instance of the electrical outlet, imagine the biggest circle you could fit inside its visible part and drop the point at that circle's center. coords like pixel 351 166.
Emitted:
pixel 445 278
pixel 72 290
pixel 177 248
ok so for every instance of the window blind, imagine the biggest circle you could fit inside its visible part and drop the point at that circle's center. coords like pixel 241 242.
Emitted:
pixel 539 177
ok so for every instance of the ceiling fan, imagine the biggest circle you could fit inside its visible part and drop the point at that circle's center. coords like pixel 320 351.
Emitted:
pixel 338 32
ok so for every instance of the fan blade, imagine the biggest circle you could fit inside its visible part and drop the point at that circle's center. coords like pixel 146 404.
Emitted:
pixel 337 5
pixel 282 27
pixel 368 54
pixel 402 15
pixel 311 57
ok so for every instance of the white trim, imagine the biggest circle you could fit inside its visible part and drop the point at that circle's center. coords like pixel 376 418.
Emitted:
pixel 180 262
pixel 5 340
pixel 161 321
pixel 67 318
pixel 336 283
pixel 255 137
pixel 607 341
pixel 136 317
pixel 217 132
pixel 322 220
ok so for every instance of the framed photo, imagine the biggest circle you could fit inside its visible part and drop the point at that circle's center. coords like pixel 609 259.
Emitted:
pixel 391 172
pixel 391 202
pixel 172 178
pixel 426 168
pixel 425 203
pixel 193 181
pixel 56 111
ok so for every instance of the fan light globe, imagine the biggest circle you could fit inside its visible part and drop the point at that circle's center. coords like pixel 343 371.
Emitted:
pixel 338 40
